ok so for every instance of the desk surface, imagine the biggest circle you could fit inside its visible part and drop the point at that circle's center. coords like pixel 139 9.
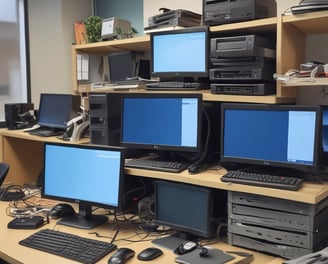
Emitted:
pixel 17 141
pixel 12 252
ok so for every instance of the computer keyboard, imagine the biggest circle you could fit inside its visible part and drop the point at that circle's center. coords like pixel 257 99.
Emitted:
pixel 46 132
pixel 177 85
pixel 265 180
pixel 80 249
pixel 159 165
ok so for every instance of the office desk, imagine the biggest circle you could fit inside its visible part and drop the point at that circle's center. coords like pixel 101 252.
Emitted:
pixel 24 154
pixel 12 252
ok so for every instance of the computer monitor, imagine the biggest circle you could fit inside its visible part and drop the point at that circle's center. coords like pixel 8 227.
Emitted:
pixel 180 54
pixel 325 129
pixel 285 136
pixel 189 210
pixel 122 65
pixel 90 175
pixel 55 110
pixel 162 121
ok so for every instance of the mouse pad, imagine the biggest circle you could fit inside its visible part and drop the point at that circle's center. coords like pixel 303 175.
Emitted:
pixel 214 256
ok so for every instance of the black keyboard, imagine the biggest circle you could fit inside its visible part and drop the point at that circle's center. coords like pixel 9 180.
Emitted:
pixel 80 249
pixel 159 165
pixel 177 85
pixel 46 132
pixel 265 180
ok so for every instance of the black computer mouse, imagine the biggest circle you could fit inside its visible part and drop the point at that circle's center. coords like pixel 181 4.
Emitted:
pixel 149 253
pixel 61 210
pixel 121 256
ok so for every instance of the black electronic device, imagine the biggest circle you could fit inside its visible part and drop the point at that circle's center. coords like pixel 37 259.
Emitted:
pixel 90 175
pixel 186 247
pixel 149 253
pixel 55 111
pixel 77 248
pixel 182 17
pixel 189 209
pixel 243 88
pixel 252 72
pixel 242 46
pixel 230 11
pixel 121 256
pixel 122 65
pixel 163 122
pixel 105 118
pixel 14 118
pixel 29 222
pixel 325 129
pixel 281 136
pixel 61 210
pixel 180 55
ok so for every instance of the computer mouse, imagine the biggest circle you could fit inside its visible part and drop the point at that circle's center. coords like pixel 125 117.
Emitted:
pixel 149 253
pixel 121 256
pixel 61 210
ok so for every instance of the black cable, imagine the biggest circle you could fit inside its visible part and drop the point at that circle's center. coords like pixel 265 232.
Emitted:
pixel 204 154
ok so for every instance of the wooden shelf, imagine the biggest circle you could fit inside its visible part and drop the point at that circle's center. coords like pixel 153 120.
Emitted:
pixel 309 23
pixel 301 82
pixel 267 99
pixel 260 25
pixel 140 44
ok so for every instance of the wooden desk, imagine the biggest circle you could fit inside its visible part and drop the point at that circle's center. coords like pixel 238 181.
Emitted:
pixel 24 154
pixel 12 252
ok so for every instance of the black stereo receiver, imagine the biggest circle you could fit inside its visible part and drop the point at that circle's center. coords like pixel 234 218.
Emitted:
pixel 229 11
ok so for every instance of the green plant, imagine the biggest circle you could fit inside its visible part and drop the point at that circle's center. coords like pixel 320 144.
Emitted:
pixel 93 28
pixel 125 34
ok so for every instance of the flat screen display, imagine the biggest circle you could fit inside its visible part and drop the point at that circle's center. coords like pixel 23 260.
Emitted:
pixel 55 110
pixel 162 121
pixel 86 174
pixel 284 135
pixel 180 53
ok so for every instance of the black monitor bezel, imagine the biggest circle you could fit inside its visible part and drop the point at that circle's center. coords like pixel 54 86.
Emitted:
pixel 268 163
pixel 180 74
pixel 82 202
pixel 74 108
pixel 208 231
pixel 156 147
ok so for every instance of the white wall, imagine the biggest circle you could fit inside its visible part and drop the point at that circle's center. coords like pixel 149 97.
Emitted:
pixel 51 29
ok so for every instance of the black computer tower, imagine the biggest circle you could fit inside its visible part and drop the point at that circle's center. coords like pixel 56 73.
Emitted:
pixel 105 118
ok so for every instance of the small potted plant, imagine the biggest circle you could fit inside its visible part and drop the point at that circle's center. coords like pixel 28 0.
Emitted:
pixel 93 28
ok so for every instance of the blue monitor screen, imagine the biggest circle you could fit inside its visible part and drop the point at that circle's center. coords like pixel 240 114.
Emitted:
pixel 86 174
pixel 325 129
pixel 270 135
pixel 180 53
pixel 162 121
pixel 55 110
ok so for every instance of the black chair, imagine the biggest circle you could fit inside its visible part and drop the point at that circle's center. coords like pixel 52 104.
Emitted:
pixel 4 168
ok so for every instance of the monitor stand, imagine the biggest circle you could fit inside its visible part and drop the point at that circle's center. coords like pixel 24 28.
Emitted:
pixel 173 241
pixel 84 219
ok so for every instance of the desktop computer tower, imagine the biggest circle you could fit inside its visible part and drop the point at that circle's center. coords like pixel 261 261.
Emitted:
pixel 105 118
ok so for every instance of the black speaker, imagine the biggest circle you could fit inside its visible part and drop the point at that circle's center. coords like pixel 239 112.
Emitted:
pixel 12 112
pixel 105 118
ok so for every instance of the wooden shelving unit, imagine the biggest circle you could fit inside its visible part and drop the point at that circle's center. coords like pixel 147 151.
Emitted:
pixel 290 32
